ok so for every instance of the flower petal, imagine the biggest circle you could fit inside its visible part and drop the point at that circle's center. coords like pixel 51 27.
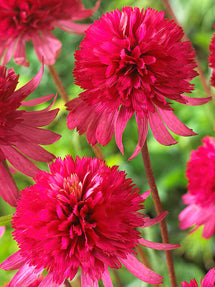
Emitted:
pixel 174 124
pixel 49 281
pixel 195 101
pixel 140 271
pixel 105 128
pixel 2 230
pixel 151 221
pixel 20 53
pixel 209 280
pixel 37 101
pixel 159 130
pixel 158 246
pixel 39 118
pixel 13 262
pixel 8 188
pixel 107 279
pixel 86 281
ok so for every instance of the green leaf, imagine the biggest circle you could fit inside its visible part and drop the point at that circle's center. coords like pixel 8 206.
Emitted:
pixel 6 220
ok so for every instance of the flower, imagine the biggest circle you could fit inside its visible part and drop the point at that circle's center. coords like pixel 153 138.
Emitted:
pixel 20 135
pixel 208 281
pixel 81 214
pixel 212 59
pixel 2 230
pixel 25 20
pixel 132 62
pixel 201 189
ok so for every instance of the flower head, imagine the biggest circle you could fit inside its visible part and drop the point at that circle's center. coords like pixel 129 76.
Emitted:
pixel 212 59
pixel 81 214
pixel 201 189
pixel 20 132
pixel 25 20
pixel 132 62
pixel 208 281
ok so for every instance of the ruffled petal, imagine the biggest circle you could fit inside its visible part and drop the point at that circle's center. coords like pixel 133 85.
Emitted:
pixel 123 117
pixel 174 124
pixel 13 262
pixel 158 246
pixel 107 279
pixel 159 130
pixel 8 188
pixel 142 124
pixel 47 47
pixel 140 271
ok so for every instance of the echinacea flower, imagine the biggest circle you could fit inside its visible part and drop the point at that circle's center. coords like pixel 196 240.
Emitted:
pixel 20 132
pixel 25 20
pixel 212 59
pixel 132 63
pixel 208 281
pixel 201 189
pixel 80 214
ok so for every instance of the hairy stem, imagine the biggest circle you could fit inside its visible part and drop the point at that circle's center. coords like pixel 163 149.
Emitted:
pixel 159 209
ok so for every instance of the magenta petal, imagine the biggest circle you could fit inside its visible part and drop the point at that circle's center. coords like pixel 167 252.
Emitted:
pixel 24 277
pixel 105 128
pixel 72 27
pixel 142 124
pixel 195 101
pixel 188 216
pixel 209 280
pixel 39 118
pixel 20 53
pixel 8 188
pixel 159 130
pixel 124 115
pixel 145 194
pixel 151 221
pixel 158 246
pixel 27 89
pixel 107 279
pixel 174 124
pixel 140 271
pixel 47 47
pixel 86 281
pixel 37 101
pixel 2 230
pixel 13 262
pixel 9 53
pixel 20 162
pixel 49 282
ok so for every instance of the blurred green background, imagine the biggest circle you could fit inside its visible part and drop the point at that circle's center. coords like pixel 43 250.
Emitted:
pixel 196 254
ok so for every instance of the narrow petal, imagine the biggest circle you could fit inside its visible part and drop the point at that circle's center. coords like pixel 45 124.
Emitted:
pixel 9 53
pixel 145 194
pixel 2 230
pixel 27 89
pixel 105 128
pixel 72 27
pixel 13 262
pixel 86 281
pixel 158 246
pixel 37 101
pixel 34 151
pixel 107 279
pixel 151 221
pixel 47 47
pixel 20 162
pixel 209 280
pixel 188 216
pixel 49 282
pixel 39 118
pixel 174 124
pixel 142 124
pixel 20 53
pixel 159 130
pixel 195 101
pixel 123 117
pixel 24 277
pixel 140 271
pixel 8 188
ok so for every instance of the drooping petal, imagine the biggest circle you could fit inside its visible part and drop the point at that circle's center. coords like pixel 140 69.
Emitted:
pixel 105 128
pixel 145 194
pixel 107 279
pixel 2 230
pixel 8 53
pixel 39 118
pixel 8 189
pixel 158 246
pixel 174 124
pixel 209 280
pixel 151 221
pixel 86 281
pixel 48 281
pixel 142 124
pixel 195 101
pixel 188 216
pixel 47 47
pixel 123 117
pixel 13 262
pixel 20 162
pixel 140 271
pixel 159 130
pixel 37 101
pixel 72 27
pixel 20 52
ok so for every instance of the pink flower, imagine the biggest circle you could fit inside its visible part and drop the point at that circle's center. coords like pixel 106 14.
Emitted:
pixel 208 281
pixel 25 20
pixel 212 59
pixel 20 132
pixel 132 62
pixel 201 189
pixel 2 230
pixel 81 214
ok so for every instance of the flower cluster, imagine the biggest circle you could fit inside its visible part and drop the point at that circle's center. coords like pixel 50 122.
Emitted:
pixel 82 213
pixel 208 281
pixel 132 62
pixel 25 20
pixel 20 132
pixel 201 189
